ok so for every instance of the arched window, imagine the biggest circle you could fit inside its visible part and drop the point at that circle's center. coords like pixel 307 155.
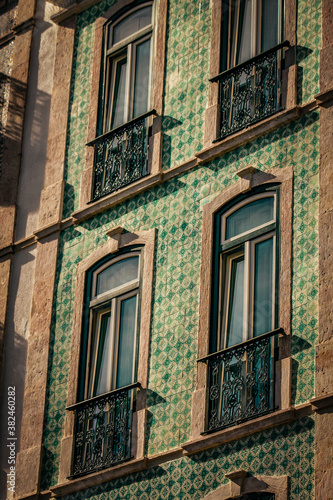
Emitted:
pixel 109 365
pixel 241 368
pixel 126 115
pixel 245 277
pixel 104 416
pixel 112 329
pixel 128 66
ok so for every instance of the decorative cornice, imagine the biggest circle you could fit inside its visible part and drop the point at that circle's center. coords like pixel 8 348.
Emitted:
pixel 64 4
pixel 17 30
pixel 4 40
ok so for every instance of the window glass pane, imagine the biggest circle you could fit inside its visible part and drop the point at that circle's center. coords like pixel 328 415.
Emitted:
pixel 101 363
pixel 269 24
pixel 249 217
pixel 117 274
pixel 240 18
pixel 117 95
pixel 131 24
pixel 263 288
pixel 126 341
pixel 236 302
pixel 141 82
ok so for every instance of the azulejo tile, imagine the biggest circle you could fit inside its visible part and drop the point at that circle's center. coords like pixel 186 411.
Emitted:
pixel 174 209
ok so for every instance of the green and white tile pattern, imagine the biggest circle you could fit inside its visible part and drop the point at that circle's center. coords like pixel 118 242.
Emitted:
pixel 175 209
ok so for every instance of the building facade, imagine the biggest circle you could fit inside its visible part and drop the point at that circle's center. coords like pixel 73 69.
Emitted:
pixel 166 250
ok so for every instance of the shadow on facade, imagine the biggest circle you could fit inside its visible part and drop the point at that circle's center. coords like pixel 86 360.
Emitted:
pixel 27 106
pixel 301 54
pixel 168 123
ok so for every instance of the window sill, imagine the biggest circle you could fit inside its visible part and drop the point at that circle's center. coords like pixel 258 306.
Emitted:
pixel 117 197
pixel 102 476
pixel 239 431
pixel 248 134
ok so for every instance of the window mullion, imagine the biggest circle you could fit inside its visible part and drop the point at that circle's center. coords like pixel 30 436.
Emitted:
pixel 248 293
pixel 274 283
pixel 224 308
pixel 237 35
pixel 91 349
pixel 114 325
pixel 256 28
pixel 129 90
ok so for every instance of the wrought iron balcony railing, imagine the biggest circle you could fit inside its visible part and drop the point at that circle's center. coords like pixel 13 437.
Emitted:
pixel 102 431
pixel 121 156
pixel 250 91
pixel 241 381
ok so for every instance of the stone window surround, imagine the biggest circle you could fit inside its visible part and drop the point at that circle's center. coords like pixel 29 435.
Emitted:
pixel 116 242
pixel 249 179
pixel 240 483
pixel 289 74
pixel 158 54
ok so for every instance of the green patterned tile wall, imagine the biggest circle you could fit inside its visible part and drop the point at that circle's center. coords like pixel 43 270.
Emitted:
pixel 175 210
pixel 308 47
pixel 283 450
pixel 186 80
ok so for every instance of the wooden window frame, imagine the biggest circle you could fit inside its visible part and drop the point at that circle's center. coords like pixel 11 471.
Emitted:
pixel 227 248
pixel 99 304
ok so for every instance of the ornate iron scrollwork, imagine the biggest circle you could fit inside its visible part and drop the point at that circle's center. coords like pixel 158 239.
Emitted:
pixel 103 430
pixel 121 156
pixel 250 92
pixel 241 382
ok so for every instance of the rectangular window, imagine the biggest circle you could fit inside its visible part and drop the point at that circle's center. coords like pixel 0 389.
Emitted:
pixel 251 61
